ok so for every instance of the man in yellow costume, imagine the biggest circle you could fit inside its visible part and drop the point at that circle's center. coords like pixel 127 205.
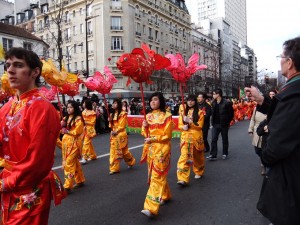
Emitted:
pixel 157 129
pixel 191 121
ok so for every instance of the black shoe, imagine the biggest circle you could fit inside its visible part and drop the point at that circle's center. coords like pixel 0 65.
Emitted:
pixel 211 158
pixel 68 190
pixel 78 185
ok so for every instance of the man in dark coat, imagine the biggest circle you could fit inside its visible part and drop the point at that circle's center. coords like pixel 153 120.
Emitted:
pixel 280 194
pixel 222 114
pixel 206 108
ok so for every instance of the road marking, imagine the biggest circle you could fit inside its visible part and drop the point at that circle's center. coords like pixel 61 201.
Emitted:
pixel 101 156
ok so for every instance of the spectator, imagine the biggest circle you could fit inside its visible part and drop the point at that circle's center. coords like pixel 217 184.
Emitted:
pixel 222 114
pixel 279 199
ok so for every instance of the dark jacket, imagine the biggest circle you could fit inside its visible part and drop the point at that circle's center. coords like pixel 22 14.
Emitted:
pixel 280 194
pixel 207 109
pixel 225 110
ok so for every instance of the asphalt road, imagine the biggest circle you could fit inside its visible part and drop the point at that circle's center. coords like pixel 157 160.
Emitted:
pixel 226 195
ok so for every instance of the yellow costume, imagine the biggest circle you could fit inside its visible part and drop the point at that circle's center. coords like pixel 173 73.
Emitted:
pixel 119 143
pixel 192 147
pixel 158 156
pixel 88 151
pixel 71 145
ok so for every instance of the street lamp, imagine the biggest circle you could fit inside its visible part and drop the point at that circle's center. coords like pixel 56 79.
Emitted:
pixel 69 55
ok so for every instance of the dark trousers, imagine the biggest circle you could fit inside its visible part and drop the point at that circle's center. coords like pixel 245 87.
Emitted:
pixel 205 135
pixel 216 130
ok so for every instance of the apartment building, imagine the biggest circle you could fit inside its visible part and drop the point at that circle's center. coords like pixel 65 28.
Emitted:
pixel 100 31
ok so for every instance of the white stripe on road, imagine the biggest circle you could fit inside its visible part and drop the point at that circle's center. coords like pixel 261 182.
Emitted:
pixel 101 156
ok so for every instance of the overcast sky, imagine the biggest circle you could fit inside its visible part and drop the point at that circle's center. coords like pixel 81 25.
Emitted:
pixel 270 23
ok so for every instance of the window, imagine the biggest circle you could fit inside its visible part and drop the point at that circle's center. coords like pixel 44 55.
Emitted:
pixel 7 43
pixel 116 43
pixel 116 23
pixel 74 13
pixel 89 28
pixel 74 30
pixel 81 29
pixel 75 66
pixel 45 8
pixel 82 65
pixel 80 11
pixel 90 47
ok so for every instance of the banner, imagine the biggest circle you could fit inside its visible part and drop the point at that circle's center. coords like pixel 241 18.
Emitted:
pixel 135 125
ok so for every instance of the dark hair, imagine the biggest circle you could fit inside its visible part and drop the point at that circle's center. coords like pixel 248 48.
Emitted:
pixel 30 57
pixel 162 102
pixel 76 113
pixel 196 109
pixel 204 95
pixel 218 91
pixel 118 110
pixel 88 104
pixel 126 105
pixel 292 50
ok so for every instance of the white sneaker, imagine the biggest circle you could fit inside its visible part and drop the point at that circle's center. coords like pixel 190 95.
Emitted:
pixel 224 157
pixel 146 212
pixel 182 183
pixel 83 161
pixel 198 177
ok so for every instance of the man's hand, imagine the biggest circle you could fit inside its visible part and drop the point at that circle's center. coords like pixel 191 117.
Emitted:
pixel 147 140
pixel 254 94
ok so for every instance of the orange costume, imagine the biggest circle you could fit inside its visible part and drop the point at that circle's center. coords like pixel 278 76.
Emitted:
pixel 71 146
pixel 158 156
pixel 88 151
pixel 29 129
pixel 119 143
pixel 192 147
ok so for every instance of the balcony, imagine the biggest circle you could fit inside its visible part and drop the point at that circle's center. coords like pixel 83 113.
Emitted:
pixel 116 28
pixel 171 45
pixel 138 34
pixel 138 15
pixel 117 48
pixel 157 24
pixel 150 21
pixel 150 38
pixel 115 8
pixel 157 40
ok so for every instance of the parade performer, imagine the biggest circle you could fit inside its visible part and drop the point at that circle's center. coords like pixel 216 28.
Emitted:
pixel 29 129
pixel 118 139
pixel 72 128
pixel 157 130
pixel 89 116
pixel 191 142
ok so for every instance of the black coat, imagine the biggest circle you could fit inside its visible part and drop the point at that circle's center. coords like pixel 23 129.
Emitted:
pixel 280 194
pixel 207 108
pixel 225 110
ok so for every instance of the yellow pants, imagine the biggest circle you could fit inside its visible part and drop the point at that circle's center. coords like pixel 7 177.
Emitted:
pixel 158 190
pixel 72 169
pixel 114 159
pixel 184 163
pixel 88 151
pixel 119 150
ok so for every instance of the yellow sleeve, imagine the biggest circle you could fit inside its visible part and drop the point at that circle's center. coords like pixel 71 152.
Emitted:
pixel 180 121
pixel 78 129
pixel 122 122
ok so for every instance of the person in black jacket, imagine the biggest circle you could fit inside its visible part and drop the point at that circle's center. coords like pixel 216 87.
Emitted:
pixel 279 199
pixel 206 108
pixel 222 114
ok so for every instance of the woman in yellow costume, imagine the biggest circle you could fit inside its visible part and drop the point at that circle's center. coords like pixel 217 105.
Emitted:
pixel 118 139
pixel 89 117
pixel 191 142
pixel 72 128
pixel 157 129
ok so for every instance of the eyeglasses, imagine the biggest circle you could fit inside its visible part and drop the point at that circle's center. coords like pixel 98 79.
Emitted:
pixel 281 56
